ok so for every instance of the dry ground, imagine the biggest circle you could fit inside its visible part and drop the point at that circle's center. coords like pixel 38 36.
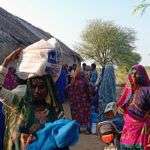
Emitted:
pixel 86 142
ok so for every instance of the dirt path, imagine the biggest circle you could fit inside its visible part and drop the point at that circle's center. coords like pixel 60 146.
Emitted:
pixel 88 142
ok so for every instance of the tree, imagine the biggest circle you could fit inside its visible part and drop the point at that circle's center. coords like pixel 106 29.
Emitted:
pixel 142 6
pixel 129 59
pixel 106 43
pixel 121 75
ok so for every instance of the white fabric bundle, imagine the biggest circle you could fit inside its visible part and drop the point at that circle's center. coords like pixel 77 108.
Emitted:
pixel 40 58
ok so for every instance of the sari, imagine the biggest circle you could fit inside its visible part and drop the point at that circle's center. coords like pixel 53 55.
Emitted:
pixel 20 111
pixel 79 95
pixel 10 83
pixel 106 89
pixel 135 102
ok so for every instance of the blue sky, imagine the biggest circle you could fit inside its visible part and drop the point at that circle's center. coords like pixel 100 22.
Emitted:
pixel 65 19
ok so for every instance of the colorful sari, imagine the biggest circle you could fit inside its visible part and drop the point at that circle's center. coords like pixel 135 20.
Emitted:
pixel 135 134
pixel 20 114
pixel 10 83
pixel 79 94
pixel 106 89
pixel 135 102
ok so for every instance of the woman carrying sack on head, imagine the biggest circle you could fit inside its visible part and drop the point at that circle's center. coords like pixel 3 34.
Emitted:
pixel 19 104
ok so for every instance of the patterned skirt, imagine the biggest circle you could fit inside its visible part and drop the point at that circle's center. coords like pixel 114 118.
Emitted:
pixel 135 134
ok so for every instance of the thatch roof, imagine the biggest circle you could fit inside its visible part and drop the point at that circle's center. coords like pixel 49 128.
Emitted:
pixel 16 32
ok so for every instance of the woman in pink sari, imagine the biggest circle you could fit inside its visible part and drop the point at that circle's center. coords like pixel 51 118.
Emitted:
pixel 135 103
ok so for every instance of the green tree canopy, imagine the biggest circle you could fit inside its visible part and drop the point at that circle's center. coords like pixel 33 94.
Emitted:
pixel 106 43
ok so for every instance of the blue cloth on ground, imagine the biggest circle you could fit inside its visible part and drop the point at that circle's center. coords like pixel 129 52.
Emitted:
pixel 59 134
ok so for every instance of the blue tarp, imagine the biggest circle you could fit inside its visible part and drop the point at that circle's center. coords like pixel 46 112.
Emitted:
pixel 57 135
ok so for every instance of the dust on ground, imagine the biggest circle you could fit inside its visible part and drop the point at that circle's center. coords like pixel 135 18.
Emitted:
pixel 88 142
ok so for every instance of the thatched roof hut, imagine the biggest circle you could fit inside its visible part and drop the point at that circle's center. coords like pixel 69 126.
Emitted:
pixel 16 32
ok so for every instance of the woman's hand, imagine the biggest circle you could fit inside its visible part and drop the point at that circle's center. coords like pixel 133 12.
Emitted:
pixel 31 138
pixel 12 57
pixel 120 110
pixel 14 136
pixel 27 138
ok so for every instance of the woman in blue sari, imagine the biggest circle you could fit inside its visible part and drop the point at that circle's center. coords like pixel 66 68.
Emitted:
pixel 106 88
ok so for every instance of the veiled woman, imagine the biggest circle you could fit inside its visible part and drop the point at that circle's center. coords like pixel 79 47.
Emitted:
pixel 106 88
pixel 20 112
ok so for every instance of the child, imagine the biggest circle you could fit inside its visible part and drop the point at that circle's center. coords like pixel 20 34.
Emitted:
pixel 110 114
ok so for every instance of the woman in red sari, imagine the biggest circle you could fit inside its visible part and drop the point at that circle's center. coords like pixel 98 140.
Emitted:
pixel 135 102
pixel 79 94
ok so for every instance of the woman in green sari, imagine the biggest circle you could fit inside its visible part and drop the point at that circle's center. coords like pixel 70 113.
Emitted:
pixel 19 106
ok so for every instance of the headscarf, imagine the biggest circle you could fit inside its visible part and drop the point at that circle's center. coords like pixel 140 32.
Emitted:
pixel 77 75
pixel 131 85
pixel 143 76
